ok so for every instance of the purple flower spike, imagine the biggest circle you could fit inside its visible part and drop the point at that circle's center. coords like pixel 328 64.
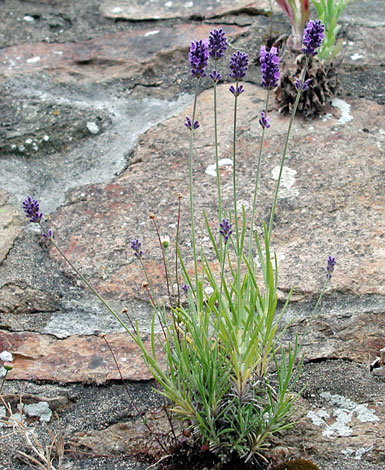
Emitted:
pixel 185 288
pixel 225 230
pixel 198 57
pixel 236 91
pixel 312 37
pixel 239 63
pixel 269 67
pixel 264 121
pixel 305 85
pixel 215 76
pixel 330 267
pixel 190 125
pixel 31 209
pixel 217 43
pixel 135 246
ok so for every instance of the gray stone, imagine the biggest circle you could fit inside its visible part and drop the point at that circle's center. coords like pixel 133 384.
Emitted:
pixel 161 10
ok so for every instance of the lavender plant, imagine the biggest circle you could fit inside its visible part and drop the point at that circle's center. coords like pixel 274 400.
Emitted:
pixel 228 375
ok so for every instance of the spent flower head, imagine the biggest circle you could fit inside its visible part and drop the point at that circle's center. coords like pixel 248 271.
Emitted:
pixel 269 67
pixel 198 57
pixel 217 43
pixel 135 246
pixel 239 63
pixel 225 229
pixel 31 209
pixel 330 267
pixel 312 37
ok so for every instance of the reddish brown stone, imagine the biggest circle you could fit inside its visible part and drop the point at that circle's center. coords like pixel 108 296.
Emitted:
pixel 133 438
pixel 123 54
pixel 74 359
pixel 334 205
pixel 150 10
pixel 357 338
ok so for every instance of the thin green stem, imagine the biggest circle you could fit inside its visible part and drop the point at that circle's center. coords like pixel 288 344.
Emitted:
pixel 314 311
pixel 222 275
pixel 177 249
pixel 191 187
pixel 217 154
pixel 162 249
pixel 257 180
pixel 286 145
pixel 149 288
pixel 234 170
pixel 93 290
pixel 238 253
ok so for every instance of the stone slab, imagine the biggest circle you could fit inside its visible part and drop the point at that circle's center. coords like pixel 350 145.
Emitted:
pixel 10 224
pixel 139 10
pixel 40 357
pixel 333 175
pixel 122 54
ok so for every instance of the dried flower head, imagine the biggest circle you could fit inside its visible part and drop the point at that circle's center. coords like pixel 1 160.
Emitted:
pixel 312 37
pixel 264 121
pixel 239 63
pixel 225 229
pixel 330 267
pixel 269 67
pixel 198 57
pixel 31 209
pixel 190 125
pixel 135 246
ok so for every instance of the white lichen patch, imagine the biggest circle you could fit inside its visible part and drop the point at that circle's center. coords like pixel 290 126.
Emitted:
pixel 356 56
pixel 344 410
pixel 212 169
pixel 318 417
pixel 33 60
pixel 151 33
pixel 358 453
pixel 344 107
pixel 41 410
pixel 287 181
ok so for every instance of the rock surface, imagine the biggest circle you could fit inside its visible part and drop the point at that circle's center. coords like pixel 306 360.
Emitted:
pixel 93 101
